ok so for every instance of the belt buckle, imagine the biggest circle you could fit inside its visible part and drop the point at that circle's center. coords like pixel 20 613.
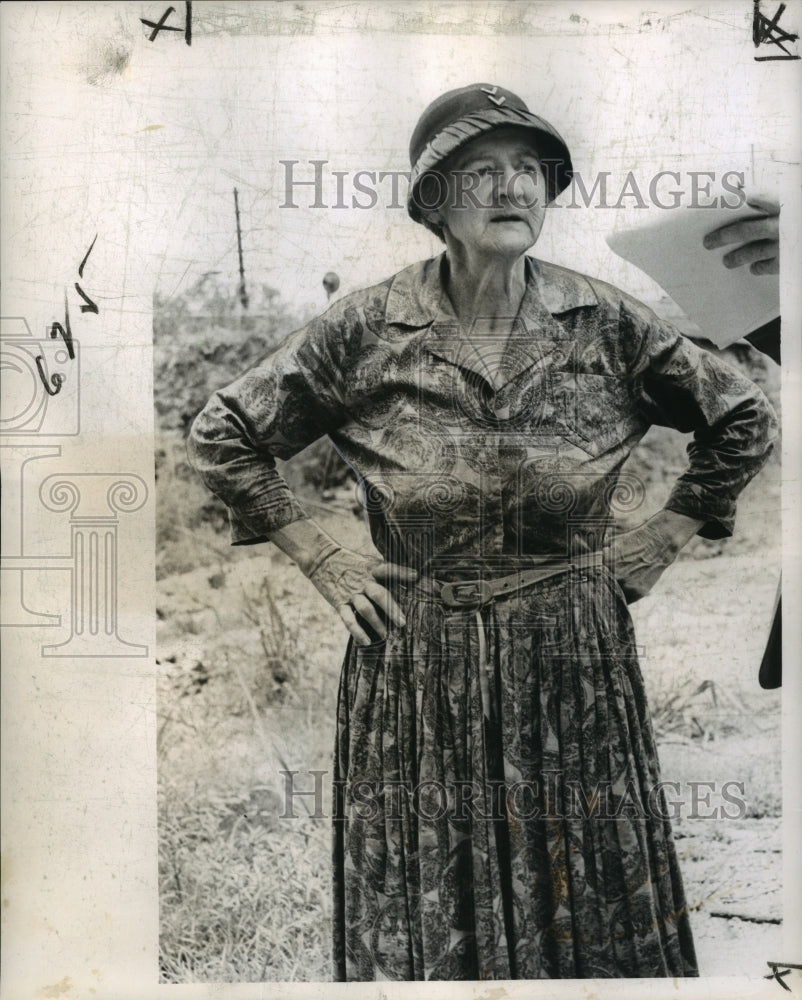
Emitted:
pixel 473 593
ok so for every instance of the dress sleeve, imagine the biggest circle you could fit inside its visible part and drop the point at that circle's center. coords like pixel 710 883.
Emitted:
pixel 273 411
pixel 733 424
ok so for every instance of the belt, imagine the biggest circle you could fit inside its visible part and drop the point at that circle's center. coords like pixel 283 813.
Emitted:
pixel 472 595
pixel 477 592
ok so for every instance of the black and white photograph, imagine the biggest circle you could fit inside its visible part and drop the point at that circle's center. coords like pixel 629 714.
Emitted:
pixel 400 441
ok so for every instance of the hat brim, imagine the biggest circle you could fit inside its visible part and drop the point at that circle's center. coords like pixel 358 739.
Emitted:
pixel 550 144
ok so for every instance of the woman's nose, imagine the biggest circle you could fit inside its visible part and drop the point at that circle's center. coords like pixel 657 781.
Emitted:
pixel 520 188
pixel 504 184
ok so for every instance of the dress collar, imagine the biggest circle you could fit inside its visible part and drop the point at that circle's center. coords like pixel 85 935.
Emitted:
pixel 417 296
pixel 417 299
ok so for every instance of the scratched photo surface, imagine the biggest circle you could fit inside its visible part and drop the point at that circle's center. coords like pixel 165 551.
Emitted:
pixel 219 322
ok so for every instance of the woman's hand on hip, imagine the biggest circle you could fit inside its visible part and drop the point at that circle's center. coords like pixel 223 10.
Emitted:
pixel 350 582
pixel 353 585
pixel 639 557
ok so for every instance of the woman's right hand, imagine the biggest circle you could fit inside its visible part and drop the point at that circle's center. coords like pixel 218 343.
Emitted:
pixel 352 584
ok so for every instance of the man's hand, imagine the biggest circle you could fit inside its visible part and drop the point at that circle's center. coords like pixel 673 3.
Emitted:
pixel 639 557
pixel 757 241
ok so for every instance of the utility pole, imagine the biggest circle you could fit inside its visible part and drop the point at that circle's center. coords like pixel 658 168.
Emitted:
pixel 243 295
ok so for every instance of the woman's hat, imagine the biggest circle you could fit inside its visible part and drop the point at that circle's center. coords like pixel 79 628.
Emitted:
pixel 460 115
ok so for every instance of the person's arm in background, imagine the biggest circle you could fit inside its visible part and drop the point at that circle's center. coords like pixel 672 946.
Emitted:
pixel 756 243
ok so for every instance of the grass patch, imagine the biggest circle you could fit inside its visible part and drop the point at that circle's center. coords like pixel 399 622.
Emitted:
pixel 244 895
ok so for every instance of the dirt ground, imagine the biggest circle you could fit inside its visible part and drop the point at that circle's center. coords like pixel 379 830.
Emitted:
pixel 703 625
pixel 733 876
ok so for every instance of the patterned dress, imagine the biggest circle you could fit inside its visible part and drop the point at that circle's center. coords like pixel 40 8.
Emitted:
pixel 498 807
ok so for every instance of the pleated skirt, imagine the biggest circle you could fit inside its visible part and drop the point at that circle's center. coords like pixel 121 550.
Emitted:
pixel 498 809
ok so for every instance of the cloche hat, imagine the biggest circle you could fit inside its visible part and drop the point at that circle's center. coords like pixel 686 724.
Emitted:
pixel 460 115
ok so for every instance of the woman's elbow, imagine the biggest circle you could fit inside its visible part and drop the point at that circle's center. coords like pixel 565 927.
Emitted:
pixel 768 420
pixel 209 439
pixel 761 424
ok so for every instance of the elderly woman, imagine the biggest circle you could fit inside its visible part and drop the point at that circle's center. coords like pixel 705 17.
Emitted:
pixel 499 812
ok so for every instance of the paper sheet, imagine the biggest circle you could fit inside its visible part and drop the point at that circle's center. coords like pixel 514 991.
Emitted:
pixel 726 304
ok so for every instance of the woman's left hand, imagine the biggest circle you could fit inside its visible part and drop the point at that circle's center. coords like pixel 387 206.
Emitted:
pixel 639 557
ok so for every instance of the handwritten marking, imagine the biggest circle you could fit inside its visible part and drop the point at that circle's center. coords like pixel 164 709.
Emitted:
pixel 65 331
pixel 90 306
pixel 780 976
pixel 161 26
pixel 57 330
pixel 82 265
pixel 57 379
pixel 767 31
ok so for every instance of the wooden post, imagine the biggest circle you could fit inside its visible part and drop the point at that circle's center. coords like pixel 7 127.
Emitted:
pixel 243 295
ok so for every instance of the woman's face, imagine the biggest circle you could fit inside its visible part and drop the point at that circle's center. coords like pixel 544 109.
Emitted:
pixel 496 194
